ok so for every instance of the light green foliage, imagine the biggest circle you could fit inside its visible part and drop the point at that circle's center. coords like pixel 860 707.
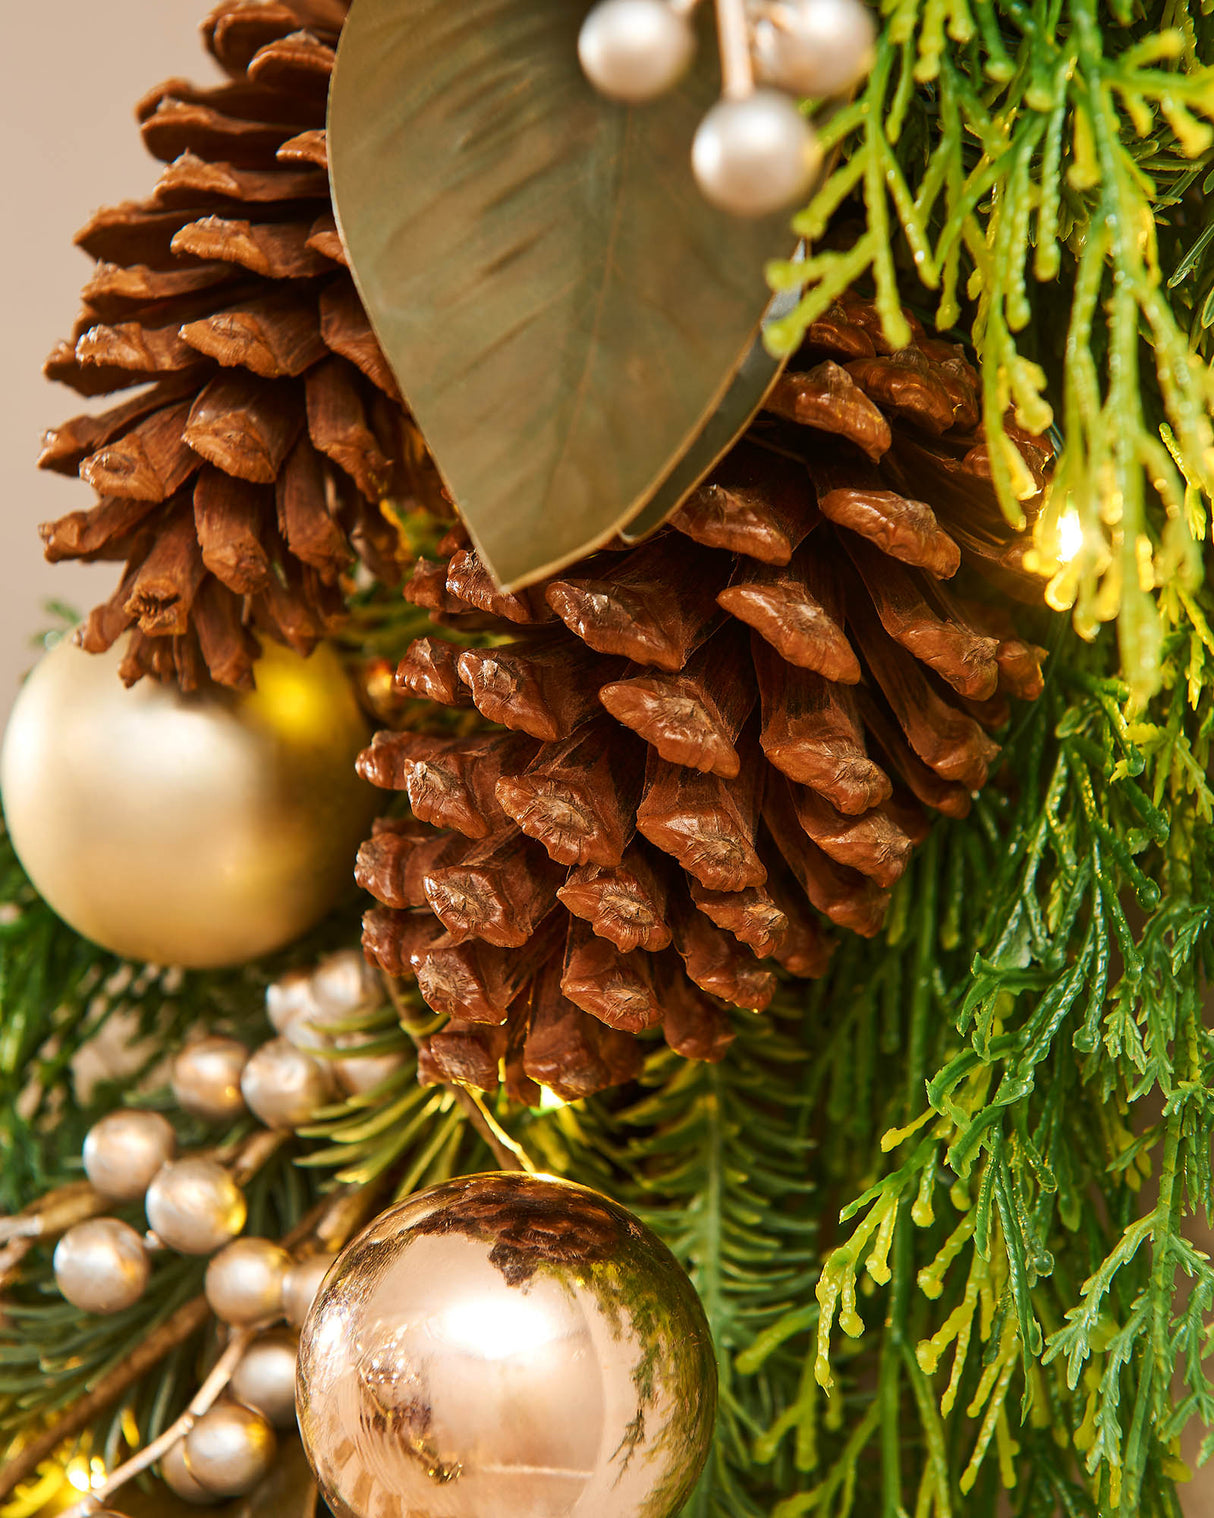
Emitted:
pixel 1040 167
pixel 1022 1241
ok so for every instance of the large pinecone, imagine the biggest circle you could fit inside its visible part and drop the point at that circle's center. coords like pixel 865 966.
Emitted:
pixel 713 745
pixel 239 482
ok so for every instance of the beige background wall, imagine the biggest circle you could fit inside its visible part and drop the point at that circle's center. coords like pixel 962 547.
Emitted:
pixel 70 73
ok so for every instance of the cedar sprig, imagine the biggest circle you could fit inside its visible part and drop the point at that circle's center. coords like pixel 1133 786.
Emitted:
pixel 1036 166
pixel 1013 1305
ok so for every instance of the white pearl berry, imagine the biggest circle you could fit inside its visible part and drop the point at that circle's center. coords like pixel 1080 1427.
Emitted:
pixel 755 156
pixel 244 1281
pixel 283 1085
pixel 230 1449
pixel 301 1284
pixel 206 1078
pixel 194 1206
pixel 124 1151
pixel 180 1482
pixel 634 50
pixel 101 1265
pixel 265 1377
pixel 814 47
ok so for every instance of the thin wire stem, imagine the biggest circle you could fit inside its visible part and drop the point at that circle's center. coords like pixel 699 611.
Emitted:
pixel 204 1399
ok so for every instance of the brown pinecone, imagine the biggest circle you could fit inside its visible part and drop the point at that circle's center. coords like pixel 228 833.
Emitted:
pixel 238 482
pixel 712 745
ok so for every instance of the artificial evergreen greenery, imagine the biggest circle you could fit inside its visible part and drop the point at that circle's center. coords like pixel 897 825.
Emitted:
pixel 951 1151
pixel 1043 169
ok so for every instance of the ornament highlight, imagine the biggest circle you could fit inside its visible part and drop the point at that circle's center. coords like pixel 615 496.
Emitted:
pixel 101 1265
pixel 283 1085
pixel 752 156
pixel 265 1377
pixel 244 1281
pixel 124 1151
pixel 195 1207
pixel 522 1345
pixel 635 50
pixel 230 1449
pixel 194 830
pixel 206 1078
pixel 814 47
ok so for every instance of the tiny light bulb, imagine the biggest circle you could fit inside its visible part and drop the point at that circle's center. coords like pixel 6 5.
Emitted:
pixel 79 1476
pixel 1070 536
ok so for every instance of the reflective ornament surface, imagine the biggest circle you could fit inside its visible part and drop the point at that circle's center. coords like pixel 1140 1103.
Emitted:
pixel 194 1206
pixel 265 1377
pixel 124 1151
pixel 206 1078
pixel 193 830
pixel 230 1449
pixel 506 1345
pixel 283 1085
pixel 101 1265
pixel 244 1281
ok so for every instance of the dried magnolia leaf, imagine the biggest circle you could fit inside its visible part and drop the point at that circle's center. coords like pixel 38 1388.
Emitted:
pixel 533 260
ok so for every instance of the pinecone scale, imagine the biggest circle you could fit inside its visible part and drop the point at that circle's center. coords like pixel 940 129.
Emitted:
pixel 711 749
pixel 248 470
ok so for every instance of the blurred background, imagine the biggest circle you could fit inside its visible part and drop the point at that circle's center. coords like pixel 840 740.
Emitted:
pixel 70 74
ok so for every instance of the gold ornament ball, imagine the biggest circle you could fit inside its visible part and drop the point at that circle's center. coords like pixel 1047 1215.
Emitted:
pixel 196 830
pixel 508 1345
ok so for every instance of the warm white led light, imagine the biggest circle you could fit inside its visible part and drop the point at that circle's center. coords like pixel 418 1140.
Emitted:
pixel 1070 536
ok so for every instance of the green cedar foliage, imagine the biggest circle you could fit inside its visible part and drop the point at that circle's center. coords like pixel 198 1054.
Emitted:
pixel 1043 170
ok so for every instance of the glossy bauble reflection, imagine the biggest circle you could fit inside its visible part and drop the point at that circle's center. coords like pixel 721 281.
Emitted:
pixel 506 1346
pixel 194 830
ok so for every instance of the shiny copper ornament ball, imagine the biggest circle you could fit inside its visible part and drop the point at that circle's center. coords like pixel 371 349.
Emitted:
pixel 506 1346
pixel 189 830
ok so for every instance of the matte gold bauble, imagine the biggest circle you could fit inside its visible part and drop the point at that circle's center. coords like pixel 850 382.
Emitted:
pixel 189 830
pixel 506 1346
